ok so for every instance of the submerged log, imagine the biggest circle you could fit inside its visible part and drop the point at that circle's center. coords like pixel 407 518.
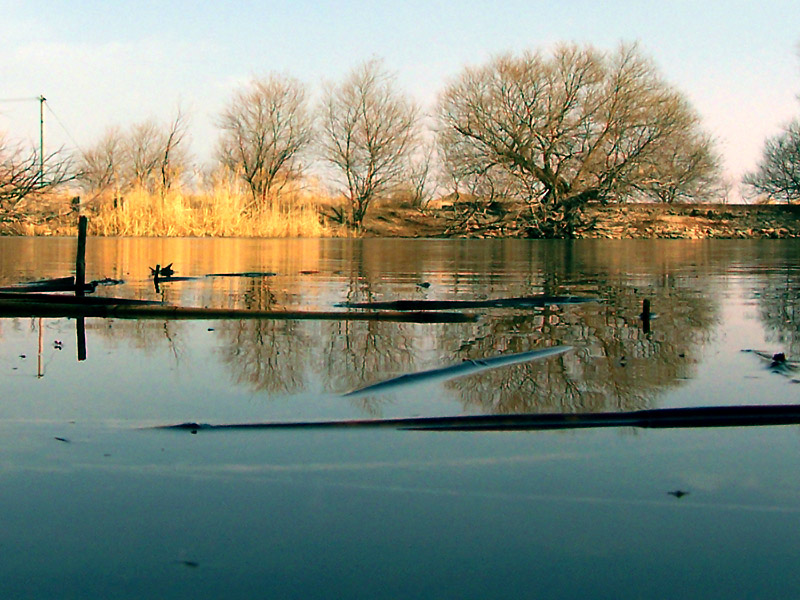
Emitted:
pixel 521 302
pixel 663 418
pixel 13 297
pixel 59 284
pixel 114 308
pixel 252 274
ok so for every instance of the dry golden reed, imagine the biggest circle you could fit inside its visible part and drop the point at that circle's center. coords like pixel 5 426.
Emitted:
pixel 221 210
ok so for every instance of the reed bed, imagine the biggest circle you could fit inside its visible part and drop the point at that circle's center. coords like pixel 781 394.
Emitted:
pixel 221 210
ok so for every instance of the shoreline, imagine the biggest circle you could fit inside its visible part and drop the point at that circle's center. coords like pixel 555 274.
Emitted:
pixel 614 221
pixel 623 221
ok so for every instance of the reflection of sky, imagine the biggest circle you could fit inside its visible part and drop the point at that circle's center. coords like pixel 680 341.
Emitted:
pixel 401 514
pixel 390 513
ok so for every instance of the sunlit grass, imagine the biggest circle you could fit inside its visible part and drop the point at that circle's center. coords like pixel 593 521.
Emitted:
pixel 220 210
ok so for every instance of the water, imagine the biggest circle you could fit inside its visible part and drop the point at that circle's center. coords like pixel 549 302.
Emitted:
pixel 123 510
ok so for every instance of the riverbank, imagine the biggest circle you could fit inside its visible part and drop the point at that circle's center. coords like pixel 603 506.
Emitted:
pixel 626 221
pixel 615 221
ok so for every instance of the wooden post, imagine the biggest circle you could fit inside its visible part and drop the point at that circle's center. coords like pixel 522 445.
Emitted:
pixel 80 259
pixel 645 316
pixel 80 331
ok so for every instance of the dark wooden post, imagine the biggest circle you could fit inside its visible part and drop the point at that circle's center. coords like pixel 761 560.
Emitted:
pixel 645 316
pixel 80 284
pixel 80 332
pixel 80 259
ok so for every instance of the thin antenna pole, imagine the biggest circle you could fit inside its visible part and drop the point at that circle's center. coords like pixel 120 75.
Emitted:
pixel 41 139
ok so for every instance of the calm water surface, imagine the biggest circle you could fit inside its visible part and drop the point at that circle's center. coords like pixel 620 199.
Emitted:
pixel 122 510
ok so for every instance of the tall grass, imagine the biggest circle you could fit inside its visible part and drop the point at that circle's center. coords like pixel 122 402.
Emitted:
pixel 221 209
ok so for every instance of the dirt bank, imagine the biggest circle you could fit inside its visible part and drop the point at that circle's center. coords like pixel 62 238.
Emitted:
pixel 642 221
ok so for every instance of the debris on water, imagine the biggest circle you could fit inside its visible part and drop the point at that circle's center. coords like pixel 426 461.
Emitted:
pixel 309 272
pixel 540 301
pixel 189 563
pixel 61 439
pixel 777 361
pixel 678 493
pixel 245 274
pixel 23 356
pixel 107 281
pixel 466 367
pixel 159 271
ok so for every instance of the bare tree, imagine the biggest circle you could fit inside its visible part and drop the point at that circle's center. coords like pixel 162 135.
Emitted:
pixel 149 155
pixel 157 155
pixel 579 125
pixel 685 168
pixel 265 128
pixel 23 174
pixel 778 173
pixel 370 129
pixel 101 167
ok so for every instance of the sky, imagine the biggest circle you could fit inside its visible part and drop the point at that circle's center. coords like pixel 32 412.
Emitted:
pixel 104 63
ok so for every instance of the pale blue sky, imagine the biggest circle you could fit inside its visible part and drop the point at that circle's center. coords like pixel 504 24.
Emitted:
pixel 103 63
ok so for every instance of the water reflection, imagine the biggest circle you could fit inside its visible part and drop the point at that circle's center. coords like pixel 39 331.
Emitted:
pixel 266 356
pixel 618 364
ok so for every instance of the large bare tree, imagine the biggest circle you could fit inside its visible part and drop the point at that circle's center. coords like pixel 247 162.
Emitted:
pixel 574 126
pixel 778 173
pixel 370 129
pixel 265 128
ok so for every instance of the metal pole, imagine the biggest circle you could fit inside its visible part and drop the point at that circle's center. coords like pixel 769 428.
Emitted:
pixel 41 139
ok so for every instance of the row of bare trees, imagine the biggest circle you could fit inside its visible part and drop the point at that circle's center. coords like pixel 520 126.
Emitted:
pixel 550 132
pixel 148 155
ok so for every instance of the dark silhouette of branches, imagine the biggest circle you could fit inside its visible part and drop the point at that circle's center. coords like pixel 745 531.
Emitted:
pixel 23 174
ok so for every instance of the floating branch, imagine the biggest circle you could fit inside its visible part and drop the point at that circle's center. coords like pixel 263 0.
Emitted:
pixel 114 308
pixel 246 274
pixel 664 418
pixel 60 284
pixel 523 302
pixel 13 298
pixel 466 367
pixel 777 362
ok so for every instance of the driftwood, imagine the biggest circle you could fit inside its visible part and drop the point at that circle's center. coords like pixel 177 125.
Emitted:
pixel 663 418
pixel 522 302
pixel 461 369
pixel 245 274
pixel 68 306
pixel 59 284
pixel 8 297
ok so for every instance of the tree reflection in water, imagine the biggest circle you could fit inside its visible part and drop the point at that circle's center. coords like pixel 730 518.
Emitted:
pixel 615 365
pixel 779 311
